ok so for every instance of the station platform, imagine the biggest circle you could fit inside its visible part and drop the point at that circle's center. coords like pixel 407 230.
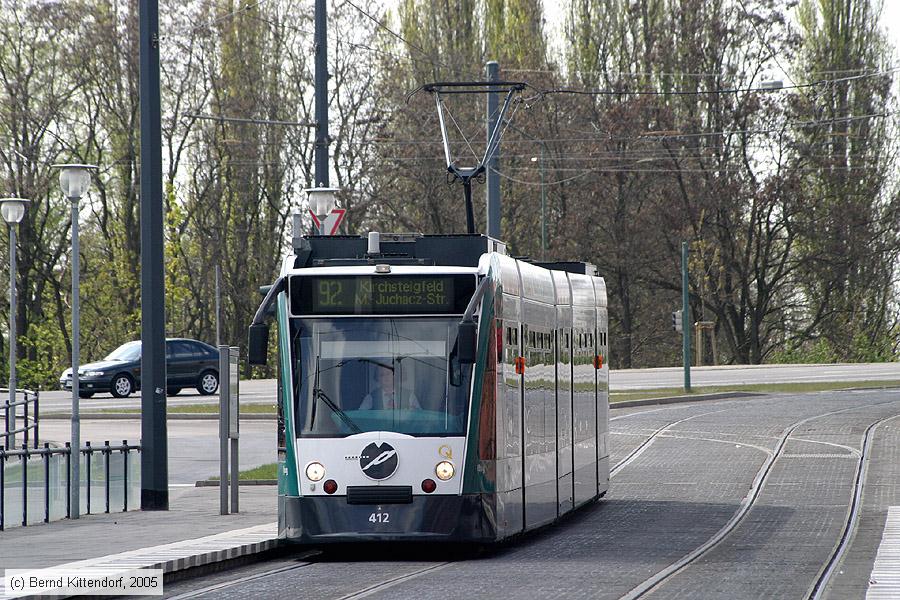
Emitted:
pixel 190 534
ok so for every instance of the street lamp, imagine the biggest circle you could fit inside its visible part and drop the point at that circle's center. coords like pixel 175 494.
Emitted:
pixel 75 179
pixel 13 210
pixel 321 203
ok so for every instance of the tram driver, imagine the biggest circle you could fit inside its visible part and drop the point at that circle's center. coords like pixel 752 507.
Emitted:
pixel 386 396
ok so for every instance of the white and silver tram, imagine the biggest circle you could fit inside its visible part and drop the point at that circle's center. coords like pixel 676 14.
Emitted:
pixel 433 388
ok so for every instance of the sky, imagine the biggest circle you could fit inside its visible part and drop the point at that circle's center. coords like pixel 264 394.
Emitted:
pixel 890 21
pixel 554 9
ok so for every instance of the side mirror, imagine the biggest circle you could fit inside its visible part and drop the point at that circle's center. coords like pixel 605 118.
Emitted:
pixel 258 352
pixel 467 339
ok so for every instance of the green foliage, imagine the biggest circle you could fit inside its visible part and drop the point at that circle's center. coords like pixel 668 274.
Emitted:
pixel 45 357
pixel 794 237
pixel 863 348
pixel 809 353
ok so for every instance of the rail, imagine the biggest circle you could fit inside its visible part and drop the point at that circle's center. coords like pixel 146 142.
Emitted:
pixel 108 471
pixel 29 418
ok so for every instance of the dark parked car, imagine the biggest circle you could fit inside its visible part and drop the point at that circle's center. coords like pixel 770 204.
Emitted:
pixel 189 363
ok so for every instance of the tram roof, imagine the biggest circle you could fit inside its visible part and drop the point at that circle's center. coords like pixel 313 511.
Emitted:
pixel 352 270
pixel 396 249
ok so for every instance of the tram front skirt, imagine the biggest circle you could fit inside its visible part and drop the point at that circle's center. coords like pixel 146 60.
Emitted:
pixel 325 519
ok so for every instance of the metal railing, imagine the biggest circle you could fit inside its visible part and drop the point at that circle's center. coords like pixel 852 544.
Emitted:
pixel 110 482
pixel 30 418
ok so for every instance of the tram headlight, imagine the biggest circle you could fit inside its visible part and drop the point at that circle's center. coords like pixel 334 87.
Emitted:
pixel 315 471
pixel 444 470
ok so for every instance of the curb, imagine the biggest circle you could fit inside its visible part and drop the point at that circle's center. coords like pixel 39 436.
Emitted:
pixel 215 482
pixel 681 399
pixel 170 416
pixel 202 553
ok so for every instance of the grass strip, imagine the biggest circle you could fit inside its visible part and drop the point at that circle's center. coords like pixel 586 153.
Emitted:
pixel 267 471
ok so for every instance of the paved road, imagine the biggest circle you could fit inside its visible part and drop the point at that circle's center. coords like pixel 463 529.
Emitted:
pixel 256 391
pixel 193 445
pixel 262 391
pixel 639 379
pixel 695 480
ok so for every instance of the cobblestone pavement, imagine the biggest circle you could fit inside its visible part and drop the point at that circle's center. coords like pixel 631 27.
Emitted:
pixel 193 513
pixel 666 502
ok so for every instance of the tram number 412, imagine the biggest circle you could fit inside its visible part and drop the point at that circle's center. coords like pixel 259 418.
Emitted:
pixel 380 517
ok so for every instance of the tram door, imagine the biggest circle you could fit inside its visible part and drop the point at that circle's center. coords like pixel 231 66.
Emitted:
pixel 602 402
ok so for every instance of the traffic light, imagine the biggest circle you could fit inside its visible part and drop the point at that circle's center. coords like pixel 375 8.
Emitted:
pixel 676 321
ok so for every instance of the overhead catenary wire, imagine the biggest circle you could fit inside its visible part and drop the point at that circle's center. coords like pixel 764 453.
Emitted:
pixel 208 25
pixel 650 135
pixel 399 37
pixel 540 93
pixel 246 120
pixel 623 74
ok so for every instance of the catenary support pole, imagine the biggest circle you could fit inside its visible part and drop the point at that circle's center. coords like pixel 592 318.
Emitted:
pixel 321 84
pixel 685 317
pixel 154 453
pixel 492 187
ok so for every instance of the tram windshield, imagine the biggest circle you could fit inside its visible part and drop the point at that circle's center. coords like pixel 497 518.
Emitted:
pixel 353 375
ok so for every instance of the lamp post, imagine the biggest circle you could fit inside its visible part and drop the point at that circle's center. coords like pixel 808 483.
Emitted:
pixel 13 210
pixel 321 203
pixel 75 179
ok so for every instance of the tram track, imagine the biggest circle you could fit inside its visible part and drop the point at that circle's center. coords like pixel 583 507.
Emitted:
pixel 660 577
pixel 238 581
pixel 378 587
pixel 634 454
pixel 818 588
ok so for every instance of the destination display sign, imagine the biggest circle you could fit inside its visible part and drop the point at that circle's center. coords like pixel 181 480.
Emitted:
pixel 381 294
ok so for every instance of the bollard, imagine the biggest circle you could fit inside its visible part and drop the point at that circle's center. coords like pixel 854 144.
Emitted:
pixel 25 419
pixel 46 482
pixel 37 417
pixel 106 453
pixel 68 480
pixel 2 485
pixel 24 486
pixel 125 475
pixel 87 472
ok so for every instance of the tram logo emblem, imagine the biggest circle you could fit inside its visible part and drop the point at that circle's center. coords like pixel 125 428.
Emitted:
pixel 378 460
pixel 445 451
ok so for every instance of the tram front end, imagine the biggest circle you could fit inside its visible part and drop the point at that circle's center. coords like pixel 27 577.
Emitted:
pixel 375 406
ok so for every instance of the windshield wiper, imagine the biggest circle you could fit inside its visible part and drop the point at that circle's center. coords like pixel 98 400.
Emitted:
pixel 318 394
pixel 341 414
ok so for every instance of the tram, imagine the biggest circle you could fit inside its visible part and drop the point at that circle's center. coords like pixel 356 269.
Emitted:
pixel 433 388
